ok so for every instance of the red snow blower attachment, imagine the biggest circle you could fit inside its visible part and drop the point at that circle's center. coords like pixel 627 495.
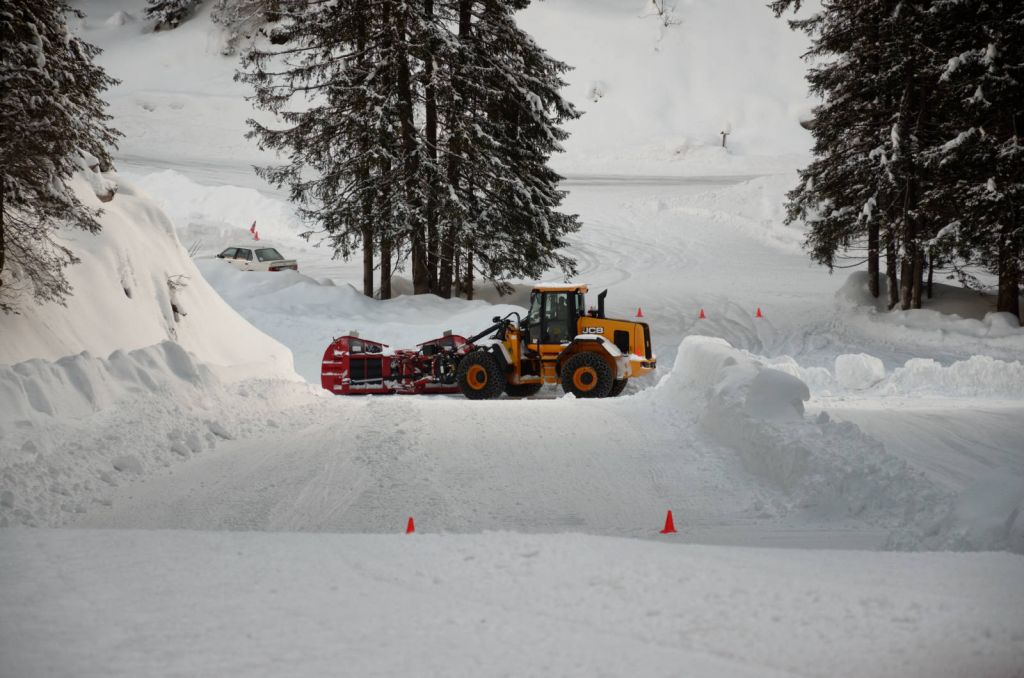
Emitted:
pixel 354 366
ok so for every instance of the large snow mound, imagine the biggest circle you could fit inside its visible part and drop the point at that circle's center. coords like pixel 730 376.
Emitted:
pixel 831 469
pixel 136 287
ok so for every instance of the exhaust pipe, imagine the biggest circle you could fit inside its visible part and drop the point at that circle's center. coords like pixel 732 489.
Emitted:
pixel 600 303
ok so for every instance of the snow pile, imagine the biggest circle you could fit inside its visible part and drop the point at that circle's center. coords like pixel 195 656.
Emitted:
pixel 136 287
pixel 978 376
pixel 829 470
pixel 858 371
pixel 957 322
pixel 72 430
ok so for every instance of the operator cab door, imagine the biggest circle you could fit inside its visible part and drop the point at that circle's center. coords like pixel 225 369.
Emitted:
pixel 552 321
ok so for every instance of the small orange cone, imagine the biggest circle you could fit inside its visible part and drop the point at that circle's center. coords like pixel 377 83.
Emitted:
pixel 701 316
pixel 670 526
pixel 758 313
pixel 411 527
pixel 639 313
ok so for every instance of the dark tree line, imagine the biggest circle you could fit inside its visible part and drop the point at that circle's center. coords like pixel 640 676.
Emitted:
pixel 917 153
pixel 417 131
pixel 50 114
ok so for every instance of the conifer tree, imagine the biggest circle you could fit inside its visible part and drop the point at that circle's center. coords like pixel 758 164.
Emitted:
pixel 867 180
pixel 169 13
pixel 50 113
pixel 978 159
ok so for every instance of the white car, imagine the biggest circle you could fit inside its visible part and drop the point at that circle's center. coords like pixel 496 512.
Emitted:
pixel 257 258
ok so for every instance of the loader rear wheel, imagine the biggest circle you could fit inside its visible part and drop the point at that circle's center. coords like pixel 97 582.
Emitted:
pixel 522 390
pixel 618 386
pixel 587 375
pixel 480 377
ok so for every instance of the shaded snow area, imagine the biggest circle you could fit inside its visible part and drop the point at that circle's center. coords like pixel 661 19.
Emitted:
pixel 266 604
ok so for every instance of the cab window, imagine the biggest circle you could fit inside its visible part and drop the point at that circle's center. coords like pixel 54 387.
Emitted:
pixel 244 254
pixel 229 253
pixel 557 316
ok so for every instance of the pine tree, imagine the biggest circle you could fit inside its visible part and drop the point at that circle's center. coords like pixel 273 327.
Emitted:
pixel 424 138
pixel 867 180
pixel 978 159
pixel 244 19
pixel 169 13
pixel 503 125
pixel 50 113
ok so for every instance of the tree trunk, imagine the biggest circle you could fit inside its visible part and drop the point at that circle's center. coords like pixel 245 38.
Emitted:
pixel 3 245
pixel 918 271
pixel 410 152
pixel 931 272
pixel 468 286
pixel 367 235
pixel 1008 299
pixel 430 104
pixel 890 274
pixel 873 258
pixel 447 274
pixel 385 268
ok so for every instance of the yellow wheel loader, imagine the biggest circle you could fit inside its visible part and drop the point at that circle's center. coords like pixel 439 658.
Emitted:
pixel 558 342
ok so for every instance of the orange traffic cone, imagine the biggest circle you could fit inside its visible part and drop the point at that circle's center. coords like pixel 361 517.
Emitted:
pixel 670 526
pixel 639 313
pixel 411 527
pixel 701 316
pixel 758 313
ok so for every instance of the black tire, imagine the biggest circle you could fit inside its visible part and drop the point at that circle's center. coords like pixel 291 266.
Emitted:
pixel 522 390
pixel 618 386
pixel 587 375
pixel 480 377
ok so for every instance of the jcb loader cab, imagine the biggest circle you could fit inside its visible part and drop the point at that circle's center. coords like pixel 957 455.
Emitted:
pixel 559 341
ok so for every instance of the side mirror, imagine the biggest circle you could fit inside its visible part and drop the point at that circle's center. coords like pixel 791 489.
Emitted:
pixel 220 256
pixel 496 319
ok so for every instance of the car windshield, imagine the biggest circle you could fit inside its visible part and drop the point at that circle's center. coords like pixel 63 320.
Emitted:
pixel 268 254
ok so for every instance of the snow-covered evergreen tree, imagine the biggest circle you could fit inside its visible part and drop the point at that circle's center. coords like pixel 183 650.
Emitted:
pixel 50 113
pixel 503 125
pixel 864 188
pixel 979 159
pixel 243 19
pixel 424 134
pixel 169 13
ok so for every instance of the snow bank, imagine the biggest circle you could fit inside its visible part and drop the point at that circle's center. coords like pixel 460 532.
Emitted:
pixel 957 322
pixel 73 429
pixel 832 469
pixel 978 376
pixel 859 371
pixel 136 287
pixel 829 470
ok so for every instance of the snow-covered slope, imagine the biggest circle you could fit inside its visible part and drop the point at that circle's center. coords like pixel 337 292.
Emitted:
pixel 655 97
pixel 132 277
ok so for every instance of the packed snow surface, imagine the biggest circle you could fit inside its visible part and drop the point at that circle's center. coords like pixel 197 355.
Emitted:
pixel 161 603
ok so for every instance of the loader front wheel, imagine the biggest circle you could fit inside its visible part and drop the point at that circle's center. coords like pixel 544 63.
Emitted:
pixel 618 387
pixel 480 377
pixel 587 375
